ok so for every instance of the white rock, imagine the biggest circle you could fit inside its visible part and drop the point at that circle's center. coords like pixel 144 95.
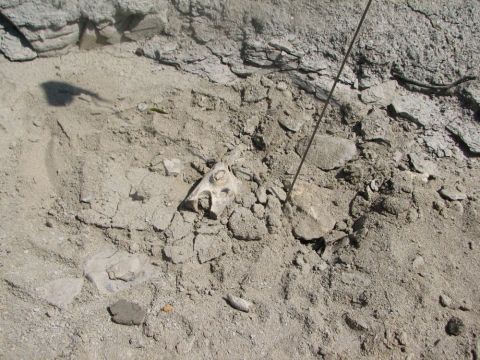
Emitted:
pixel 239 303
pixel 173 166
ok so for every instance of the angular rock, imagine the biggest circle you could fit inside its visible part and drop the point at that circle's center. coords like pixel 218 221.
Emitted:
pixel 307 228
pixel 148 26
pixel 251 124
pixel 261 194
pixel 445 301
pixel 471 95
pixel 468 133
pixel 381 94
pixel 127 313
pixel 423 166
pixel 328 152
pixel 440 143
pixel 111 270
pixel 245 226
pixel 261 54
pixel 61 292
pixel 376 127
pixel 290 119
pixel 416 109
pixel 452 194
pixel 173 167
pixel 356 323
pixel 313 63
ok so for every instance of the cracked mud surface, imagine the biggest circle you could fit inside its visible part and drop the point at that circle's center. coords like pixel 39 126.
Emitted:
pixel 377 256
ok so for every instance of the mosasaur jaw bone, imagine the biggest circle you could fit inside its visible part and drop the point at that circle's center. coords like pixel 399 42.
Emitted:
pixel 221 187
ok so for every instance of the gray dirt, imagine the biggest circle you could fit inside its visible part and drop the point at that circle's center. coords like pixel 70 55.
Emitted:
pixel 112 111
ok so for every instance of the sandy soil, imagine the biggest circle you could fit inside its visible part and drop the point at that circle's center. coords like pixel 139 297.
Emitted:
pixel 377 257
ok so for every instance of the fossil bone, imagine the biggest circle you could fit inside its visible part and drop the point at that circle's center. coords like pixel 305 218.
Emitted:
pixel 220 185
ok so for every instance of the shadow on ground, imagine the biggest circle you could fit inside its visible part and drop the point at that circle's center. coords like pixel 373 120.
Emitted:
pixel 59 93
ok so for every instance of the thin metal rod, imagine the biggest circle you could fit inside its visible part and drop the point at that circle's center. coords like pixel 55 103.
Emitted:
pixel 289 194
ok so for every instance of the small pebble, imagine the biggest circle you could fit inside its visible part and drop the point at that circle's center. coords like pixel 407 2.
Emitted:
pixel 445 301
pixel 455 326
pixel 239 303
pixel 466 305
pixel 418 262
pixel 167 308
pixel 282 86
pixel 142 107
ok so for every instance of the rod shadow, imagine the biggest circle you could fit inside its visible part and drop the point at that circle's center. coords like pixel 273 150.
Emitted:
pixel 59 93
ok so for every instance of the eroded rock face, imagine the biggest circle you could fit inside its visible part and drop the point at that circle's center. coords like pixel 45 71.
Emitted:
pixel 51 28
pixel 12 45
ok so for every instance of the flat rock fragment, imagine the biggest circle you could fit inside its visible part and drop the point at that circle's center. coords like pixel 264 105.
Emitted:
pixel 468 133
pixel 452 194
pixel 328 152
pixel 112 270
pixel 127 313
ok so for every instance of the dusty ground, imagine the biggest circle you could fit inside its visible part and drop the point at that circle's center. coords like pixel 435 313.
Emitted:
pixel 377 257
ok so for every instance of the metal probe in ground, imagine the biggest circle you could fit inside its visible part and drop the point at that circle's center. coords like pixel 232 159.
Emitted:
pixel 289 194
